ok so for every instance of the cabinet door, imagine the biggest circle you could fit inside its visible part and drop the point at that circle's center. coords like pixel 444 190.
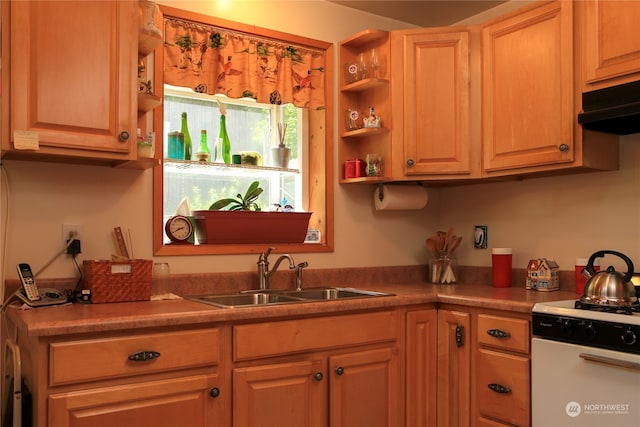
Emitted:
pixel 422 329
pixel 365 389
pixel 190 401
pixel 283 395
pixel 436 89
pixel 454 368
pixel 73 70
pixel 611 42
pixel 528 90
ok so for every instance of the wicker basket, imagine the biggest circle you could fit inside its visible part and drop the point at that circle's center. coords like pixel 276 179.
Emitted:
pixel 118 281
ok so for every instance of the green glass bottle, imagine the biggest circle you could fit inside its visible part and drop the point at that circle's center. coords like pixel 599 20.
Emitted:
pixel 223 140
pixel 203 153
pixel 184 129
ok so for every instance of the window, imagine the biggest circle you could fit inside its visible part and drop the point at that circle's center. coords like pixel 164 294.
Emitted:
pixel 306 184
pixel 253 129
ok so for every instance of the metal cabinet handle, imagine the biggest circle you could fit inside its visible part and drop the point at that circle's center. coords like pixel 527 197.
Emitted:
pixel 144 356
pixel 459 335
pixel 563 147
pixel 214 392
pixel 499 388
pixel 611 361
pixel 497 333
pixel 318 376
pixel 124 136
pixel 339 370
pixel 410 163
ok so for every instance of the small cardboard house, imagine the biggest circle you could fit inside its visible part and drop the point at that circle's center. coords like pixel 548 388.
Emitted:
pixel 543 275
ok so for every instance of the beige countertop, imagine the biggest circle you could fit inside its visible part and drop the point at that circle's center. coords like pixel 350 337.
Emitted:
pixel 87 318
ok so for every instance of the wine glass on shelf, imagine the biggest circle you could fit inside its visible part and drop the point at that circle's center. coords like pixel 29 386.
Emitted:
pixel 374 63
pixel 362 66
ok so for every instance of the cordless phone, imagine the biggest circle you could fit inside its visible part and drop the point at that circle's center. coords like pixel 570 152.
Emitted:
pixel 28 282
pixel 33 296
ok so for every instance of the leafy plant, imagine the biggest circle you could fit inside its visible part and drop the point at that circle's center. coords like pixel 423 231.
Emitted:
pixel 241 203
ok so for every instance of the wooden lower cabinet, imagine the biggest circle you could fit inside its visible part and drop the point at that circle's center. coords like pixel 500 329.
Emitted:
pixel 338 371
pixel 284 395
pixel 484 376
pixel 364 388
pixel 167 403
pixel 147 377
pixel 454 368
pixel 503 378
pixel 503 387
pixel 414 366
pixel 421 368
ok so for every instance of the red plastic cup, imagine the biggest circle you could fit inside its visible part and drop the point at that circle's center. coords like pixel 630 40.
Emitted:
pixel 581 263
pixel 501 261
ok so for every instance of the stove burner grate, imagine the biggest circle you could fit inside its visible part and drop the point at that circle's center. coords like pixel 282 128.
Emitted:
pixel 608 308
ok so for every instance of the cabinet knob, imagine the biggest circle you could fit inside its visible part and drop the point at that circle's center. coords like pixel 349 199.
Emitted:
pixel 410 163
pixel 124 136
pixel 497 333
pixel 339 370
pixel 144 356
pixel 499 388
pixel 214 392
pixel 564 148
pixel 318 376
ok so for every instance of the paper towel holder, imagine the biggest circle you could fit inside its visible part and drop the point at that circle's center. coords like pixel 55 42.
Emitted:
pixel 381 190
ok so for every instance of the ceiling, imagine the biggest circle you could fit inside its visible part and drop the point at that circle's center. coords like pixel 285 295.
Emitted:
pixel 424 13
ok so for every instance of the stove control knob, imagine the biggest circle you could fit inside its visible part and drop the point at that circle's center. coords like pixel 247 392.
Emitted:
pixel 569 326
pixel 590 331
pixel 628 337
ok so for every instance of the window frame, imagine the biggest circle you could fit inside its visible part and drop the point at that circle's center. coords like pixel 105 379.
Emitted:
pixel 319 178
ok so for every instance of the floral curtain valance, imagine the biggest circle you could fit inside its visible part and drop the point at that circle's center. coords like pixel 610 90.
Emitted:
pixel 213 60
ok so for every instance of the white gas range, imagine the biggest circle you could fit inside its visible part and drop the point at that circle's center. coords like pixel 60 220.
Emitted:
pixel 585 366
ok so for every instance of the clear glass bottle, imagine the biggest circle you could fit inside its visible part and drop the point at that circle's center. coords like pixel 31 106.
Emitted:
pixel 184 129
pixel 223 143
pixel 203 153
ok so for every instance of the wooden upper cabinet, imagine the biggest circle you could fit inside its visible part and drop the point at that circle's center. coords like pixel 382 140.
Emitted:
pixel 611 45
pixel 528 88
pixel 431 96
pixel 73 77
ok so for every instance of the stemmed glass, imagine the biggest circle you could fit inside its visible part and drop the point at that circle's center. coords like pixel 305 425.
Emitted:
pixel 374 63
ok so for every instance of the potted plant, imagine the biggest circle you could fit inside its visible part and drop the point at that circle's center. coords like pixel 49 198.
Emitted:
pixel 240 220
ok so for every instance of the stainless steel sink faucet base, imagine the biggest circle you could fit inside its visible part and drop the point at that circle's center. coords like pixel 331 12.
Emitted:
pixel 264 274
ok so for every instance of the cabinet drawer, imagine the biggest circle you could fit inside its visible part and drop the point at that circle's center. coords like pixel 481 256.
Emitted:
pixel 293 336
pixel 503 387
pixel 504 332
pixel 97 359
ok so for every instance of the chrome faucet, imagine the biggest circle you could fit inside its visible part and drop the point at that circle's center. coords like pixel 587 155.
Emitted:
pixel 299 268
pixel 264 274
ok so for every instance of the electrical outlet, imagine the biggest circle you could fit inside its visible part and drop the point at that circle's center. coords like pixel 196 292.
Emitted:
pixel 68 229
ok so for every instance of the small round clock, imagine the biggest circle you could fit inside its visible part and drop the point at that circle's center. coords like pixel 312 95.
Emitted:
pixel 179 229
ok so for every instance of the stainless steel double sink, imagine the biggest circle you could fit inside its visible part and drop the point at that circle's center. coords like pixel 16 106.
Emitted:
pixel 252 298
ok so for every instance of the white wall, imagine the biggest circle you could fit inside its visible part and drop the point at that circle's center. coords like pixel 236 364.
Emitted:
pixel 561 217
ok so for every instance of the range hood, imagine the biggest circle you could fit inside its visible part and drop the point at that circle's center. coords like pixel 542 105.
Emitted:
pixel 612 110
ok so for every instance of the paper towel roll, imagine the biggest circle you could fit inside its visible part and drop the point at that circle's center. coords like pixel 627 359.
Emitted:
pixel 400 197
